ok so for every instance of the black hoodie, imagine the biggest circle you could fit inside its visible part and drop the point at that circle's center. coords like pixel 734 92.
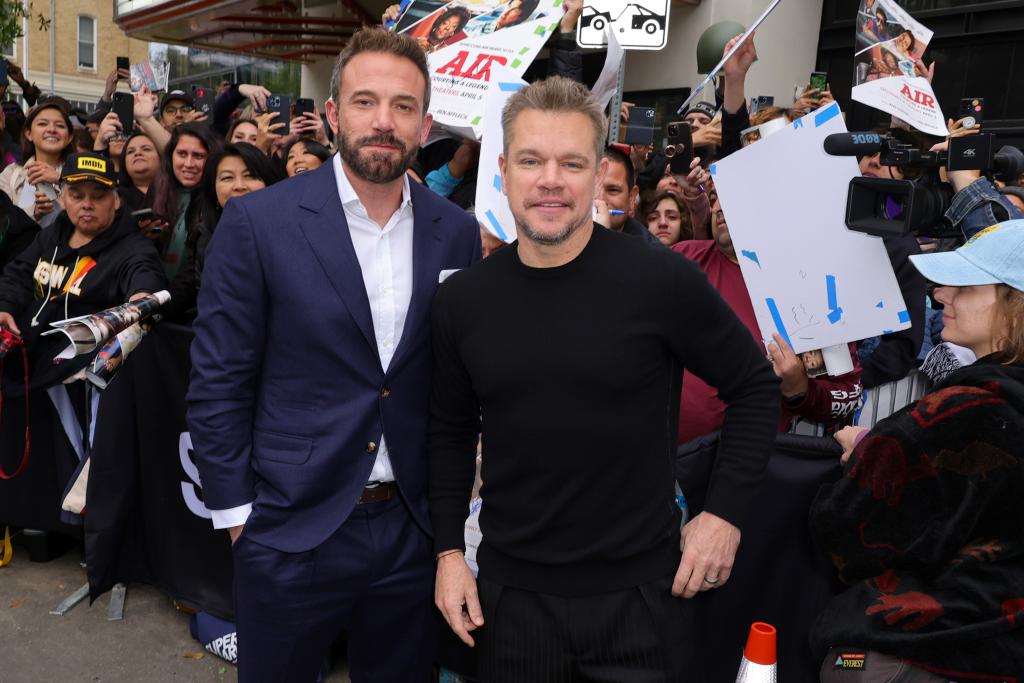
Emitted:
pixel 50 281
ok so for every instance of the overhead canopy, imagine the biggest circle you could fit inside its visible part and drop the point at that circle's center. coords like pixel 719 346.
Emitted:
pixel 297 30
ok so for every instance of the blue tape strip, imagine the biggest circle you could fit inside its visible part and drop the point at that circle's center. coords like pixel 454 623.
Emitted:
pixel 752 255
pixel 798 124
pixel 886 331
pixel 779 325
pixel 834 312
pixel 904 316
pixel 880 304
pixel 713 169
pixel 510 87
pixel 823 117
pixel 497 182
pixel 497 226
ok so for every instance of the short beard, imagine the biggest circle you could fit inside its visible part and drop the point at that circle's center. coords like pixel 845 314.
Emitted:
pixel 527 231
pixel 378 168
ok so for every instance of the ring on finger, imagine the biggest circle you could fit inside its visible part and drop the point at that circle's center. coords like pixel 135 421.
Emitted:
pixel 710 581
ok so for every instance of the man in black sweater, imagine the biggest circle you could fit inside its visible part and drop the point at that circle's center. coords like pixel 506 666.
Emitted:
pixel 566 351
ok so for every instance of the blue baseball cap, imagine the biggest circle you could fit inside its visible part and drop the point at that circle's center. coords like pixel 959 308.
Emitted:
pixel 993 256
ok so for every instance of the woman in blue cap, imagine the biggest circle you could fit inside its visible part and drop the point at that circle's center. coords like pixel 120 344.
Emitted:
pixel 926 525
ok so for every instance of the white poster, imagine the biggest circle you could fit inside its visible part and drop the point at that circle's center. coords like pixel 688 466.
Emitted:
pixel 889 73
pixel 810 278
pixel 491 204
pixel 641 25
pixel 466 40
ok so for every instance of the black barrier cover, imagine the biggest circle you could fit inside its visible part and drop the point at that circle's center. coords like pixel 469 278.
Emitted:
pixel 32 499
pixel 778 576
pixel 139 523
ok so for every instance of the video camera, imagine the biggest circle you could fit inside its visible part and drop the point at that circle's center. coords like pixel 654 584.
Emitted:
pixel 891 208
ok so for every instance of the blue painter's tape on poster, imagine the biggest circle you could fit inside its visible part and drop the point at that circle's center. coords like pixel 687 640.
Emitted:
pixel 713 169
pixel 835 313
pixel 880 304
pixel 752 255
pixel 497 183
pixel 777 317
pixel 798 124
pixel 497 226
pixel 904 316
pixel 510 87
pixel 823 117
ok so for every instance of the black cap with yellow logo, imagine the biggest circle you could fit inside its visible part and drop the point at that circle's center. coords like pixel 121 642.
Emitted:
pixel 87 167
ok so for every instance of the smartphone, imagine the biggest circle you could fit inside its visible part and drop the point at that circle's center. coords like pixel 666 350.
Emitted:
pixel 124 107
pixel 761 102
pixel 640 127
pixel 973 109
pixel 203 97
pixel 679 149
pixel 123 65
pixel 49 190
pixel 303 105
pixel 282 105
pixel 3 73
pixel 819 81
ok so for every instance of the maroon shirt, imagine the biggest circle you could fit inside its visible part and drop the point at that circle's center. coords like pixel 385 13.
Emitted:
pixel 830 400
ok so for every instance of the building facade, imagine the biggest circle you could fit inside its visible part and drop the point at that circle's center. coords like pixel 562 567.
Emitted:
pixel 86 42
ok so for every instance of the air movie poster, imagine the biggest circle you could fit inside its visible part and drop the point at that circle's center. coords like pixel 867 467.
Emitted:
pixel 466 39
pixel 889 73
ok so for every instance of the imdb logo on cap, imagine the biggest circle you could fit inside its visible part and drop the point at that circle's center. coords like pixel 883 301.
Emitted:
pixel 92 164
pixel 88 167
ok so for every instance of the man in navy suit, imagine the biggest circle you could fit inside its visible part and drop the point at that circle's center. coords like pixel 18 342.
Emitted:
pixel 310 382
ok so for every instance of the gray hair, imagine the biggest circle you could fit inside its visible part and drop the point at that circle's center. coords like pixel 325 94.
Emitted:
pixel 556 94
pixel 377 39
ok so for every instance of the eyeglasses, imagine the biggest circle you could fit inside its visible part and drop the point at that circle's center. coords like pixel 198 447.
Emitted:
pixel 183 109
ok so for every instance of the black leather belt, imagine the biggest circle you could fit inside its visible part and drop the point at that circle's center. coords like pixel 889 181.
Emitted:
pixel 378 493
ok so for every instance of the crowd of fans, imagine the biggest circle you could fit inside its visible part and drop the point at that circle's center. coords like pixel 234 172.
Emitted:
pixel 175 169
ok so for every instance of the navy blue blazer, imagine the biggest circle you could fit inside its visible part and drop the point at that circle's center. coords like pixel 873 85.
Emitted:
pixel 288 401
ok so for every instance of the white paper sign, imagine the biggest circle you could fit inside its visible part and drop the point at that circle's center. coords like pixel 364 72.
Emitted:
pixel 640 25
pixel 810 278
pixel 889 73
pixel 491 204
pixel 466 40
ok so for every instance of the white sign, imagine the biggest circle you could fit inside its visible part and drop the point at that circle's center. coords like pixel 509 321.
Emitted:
pixel 810 278
pixel 640 25
pixel 466 40
pixel 491 204
pixel 889 73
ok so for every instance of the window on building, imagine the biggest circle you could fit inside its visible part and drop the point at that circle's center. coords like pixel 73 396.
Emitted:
pixel 86 42
pixel 7 50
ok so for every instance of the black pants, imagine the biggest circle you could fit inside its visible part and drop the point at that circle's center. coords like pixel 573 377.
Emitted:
pixel 638 635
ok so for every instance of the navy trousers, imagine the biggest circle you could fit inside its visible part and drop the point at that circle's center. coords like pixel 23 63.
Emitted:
pixel 373 579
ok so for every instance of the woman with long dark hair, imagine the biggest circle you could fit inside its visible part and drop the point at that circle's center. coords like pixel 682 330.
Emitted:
pixel 47 139
pixel 173 192
pixel 304 154
pixel 140 164
pixel 231 172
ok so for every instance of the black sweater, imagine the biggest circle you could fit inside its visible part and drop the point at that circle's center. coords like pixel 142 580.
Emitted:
pixel 572 374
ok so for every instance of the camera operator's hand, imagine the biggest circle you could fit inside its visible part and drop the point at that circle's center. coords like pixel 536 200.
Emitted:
pixel 957 129
pixel 7 320
pixel 710 134
pixel 267 135
pixel 256 94
pixel 788 367
pixel 958 179
pixel 109 127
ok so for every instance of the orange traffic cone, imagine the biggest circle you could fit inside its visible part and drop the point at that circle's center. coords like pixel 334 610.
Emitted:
pixel 759 663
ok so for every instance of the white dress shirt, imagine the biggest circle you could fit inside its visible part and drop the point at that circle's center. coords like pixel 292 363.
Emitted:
pixel 385 259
